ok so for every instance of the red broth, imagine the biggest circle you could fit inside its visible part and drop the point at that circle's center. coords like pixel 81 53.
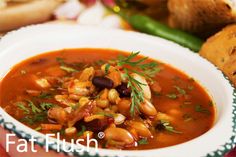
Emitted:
pixel 183 109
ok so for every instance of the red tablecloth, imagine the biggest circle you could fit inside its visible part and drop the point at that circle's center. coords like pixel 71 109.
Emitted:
pixel 4 154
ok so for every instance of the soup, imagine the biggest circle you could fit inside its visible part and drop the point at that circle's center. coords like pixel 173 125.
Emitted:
pixel 137 102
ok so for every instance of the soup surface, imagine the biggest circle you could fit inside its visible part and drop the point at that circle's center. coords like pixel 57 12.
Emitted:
pixel 138 103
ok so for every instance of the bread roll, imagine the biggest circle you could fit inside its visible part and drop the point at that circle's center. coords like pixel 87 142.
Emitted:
pixel 17 14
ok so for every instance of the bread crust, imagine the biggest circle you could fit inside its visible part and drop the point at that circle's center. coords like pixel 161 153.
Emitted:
pixel 22 14
pixel 201 17
pixel 220 49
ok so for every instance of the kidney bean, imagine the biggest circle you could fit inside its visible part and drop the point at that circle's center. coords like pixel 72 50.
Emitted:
pixel 123 90
pixel 102 82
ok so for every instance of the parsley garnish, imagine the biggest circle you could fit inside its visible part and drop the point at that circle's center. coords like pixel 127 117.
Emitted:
pixel 46 105
pixel 149 70
pixel 60 61
pixel 21 105
pixel 172 96
pixel 45 95
pixel 83 129
pixel 199 108
pixel 32 119
pixel 68 69
pixel 168 127
pixel 34 108
pixel 107 68
pixel 105 114
pixel 143 141
pixel 180 90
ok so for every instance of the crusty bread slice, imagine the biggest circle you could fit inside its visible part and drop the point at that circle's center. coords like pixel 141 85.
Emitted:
pixel 220 49
pixel 31 12
pixel 202 17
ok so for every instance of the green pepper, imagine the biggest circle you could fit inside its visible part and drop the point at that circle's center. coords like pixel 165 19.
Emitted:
pixel 148 25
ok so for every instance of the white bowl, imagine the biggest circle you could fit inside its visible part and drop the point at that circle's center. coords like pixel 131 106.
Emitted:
pixel 30 41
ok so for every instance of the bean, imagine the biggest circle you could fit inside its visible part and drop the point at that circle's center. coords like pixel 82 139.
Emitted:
pixel 120 135
pixel 102 82
pixel 123 90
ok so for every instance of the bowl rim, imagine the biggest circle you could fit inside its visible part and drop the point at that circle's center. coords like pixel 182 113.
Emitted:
pixel 8 125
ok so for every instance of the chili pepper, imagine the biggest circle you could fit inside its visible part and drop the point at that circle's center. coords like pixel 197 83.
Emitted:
pixel 148 25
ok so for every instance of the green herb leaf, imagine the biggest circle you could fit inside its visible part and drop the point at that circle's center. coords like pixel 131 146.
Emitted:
pixel 68 69
pixel 169 127
pixel 83 129
pixel 34 108
pixel 21 105
pixel 107 68
pixel 199 108
pixel 32 119
pixel 143 141
pixel 60 61
pixel 105 114
pixel 180 90
pixel 149 70
pixel 46 105
pixel 172 96
pixel 45 95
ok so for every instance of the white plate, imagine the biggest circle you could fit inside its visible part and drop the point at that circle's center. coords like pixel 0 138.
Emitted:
pixel 30 41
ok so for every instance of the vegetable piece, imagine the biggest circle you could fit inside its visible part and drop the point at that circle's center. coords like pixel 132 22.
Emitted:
pixel 80 113
pixel 148 25
pixel 70 131
pixel 180 90
pixel 43 83
pixel 149 70
pixel 68 69
pixel 46 105
pixel 87 74
pixel 32 119
pixel 45 95
pixel 93 117
pixel 199 108
pixel 137 95
pixel 102 103
pixel 34 108
pixel 172 96
pixel 102 82
pixel 113 96
pixel 143 141
pixel 33 92
pixel 47 127
pixel 143 84
pixel 81 88
pixel 58 114
pixel 119 119
pixel 107 66
pixel 21 105
pixel 83 129
pixel 167 126
pixel 136 81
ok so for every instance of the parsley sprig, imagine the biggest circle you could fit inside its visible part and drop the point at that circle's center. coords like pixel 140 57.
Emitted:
pixel 149 70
